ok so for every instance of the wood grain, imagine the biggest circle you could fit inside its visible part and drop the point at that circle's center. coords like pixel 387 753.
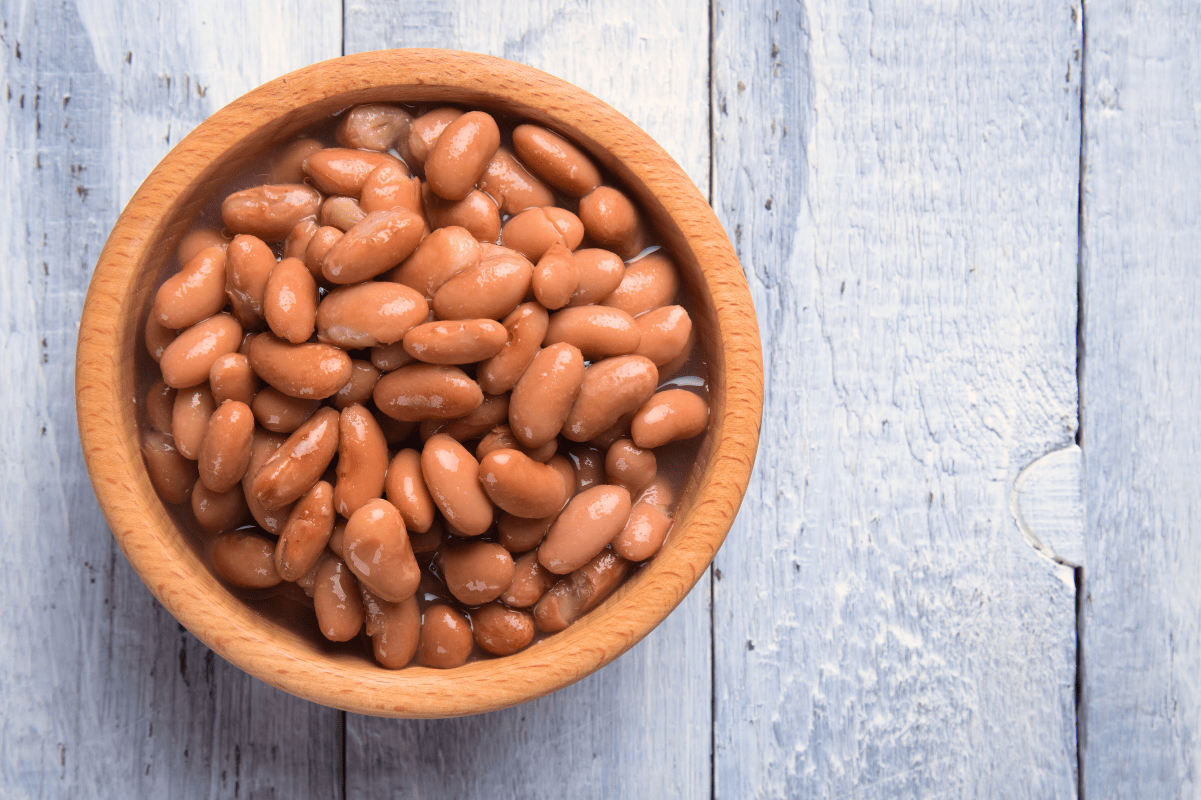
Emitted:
pixel 104 694
pixel 900 181
pixel 1141 615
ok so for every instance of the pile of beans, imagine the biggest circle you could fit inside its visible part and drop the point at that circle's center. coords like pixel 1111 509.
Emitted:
pixel 419 372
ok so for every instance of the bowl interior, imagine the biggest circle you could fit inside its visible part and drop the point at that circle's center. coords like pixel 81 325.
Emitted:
pixel 131 266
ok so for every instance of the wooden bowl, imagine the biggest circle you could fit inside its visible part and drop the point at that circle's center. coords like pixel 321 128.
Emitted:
pixel 151 226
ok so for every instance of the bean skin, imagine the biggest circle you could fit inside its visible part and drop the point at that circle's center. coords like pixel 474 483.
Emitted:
pixel 190 419
pixel 188 359
pixel 306 532
pixel 195 292
pixel 590 521
pixel 290 301
pixel 611 387
pixel 338 601
pixel 225 449
pixel 461 153
pixel 452 476
pixel 394 628
pixel 427 391
pixel 308 371
pixel 446 639
pixel 477 572
pixel 172 474
pixel 544 395
pixel 271 211
pixel 373 126
pixel 245 560
pixel 377 550
pixel 299 463
pixel 555 160
pixel 362 460
pixel 670 416
pixel 500 630
pixel 405 488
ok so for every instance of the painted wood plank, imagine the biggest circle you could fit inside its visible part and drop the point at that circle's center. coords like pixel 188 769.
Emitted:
pixel 1141 615
pixel 103 693
pixel 901 183
pixel 640 727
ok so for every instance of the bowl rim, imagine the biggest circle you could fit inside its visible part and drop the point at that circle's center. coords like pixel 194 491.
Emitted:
pixel 179 580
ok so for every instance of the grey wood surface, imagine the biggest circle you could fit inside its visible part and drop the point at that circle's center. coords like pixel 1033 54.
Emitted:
pixel 895 612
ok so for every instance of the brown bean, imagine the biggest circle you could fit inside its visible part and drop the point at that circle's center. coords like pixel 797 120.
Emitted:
pixel 673 368
pixel 160 405
pixel 500 630
pixel 157 339
pixel 631 466
pixel 337 601
pixel 461 153
pixel 299 237
pixel 378 552
pixel 308 371
pixel 612 221
pixel 424 132
pixel 545 393
pixel 536 230
pixel 644 532
pixel 521 486
pixel 264 445
pixel 172 474
pixel 555 160
pixel 341 170
pixel 618 430
pixel 195 292
pixel 512 186
pixel 376 244
pixel 531 580
pixel 290 301
pixel 427 391
pixel 217 512
pixel 369 314
pixel 611 387
pixel 395 431
pixel 486 416
pixel 452 476
pixel 518 534
pixel 583 590
pixel 525 329
pixel 455 341
pixel 670 416
pixel 477 572
pixel 556 277
pixel 271 211
pixel 404 486
pixel 249 262
pixel 225 448
pixel 600 272
pixel 198 239
pixel 190 418
pixel 188 359
pixel 587 465
pixel 343 213
pixel 336 537
pixel 394 628
pixel 231 378
pixel 389 357
pixel 244 559
pixel 279 413
pixel 592 518
pixel 476 212
pixel 287 166
pixel 650 282
pixel 321 243
pixel 597 331
pixel 373 126
pixel 362 460
pixel 306 532
pixel 363 376
pixel 665 333
pixel 492 290
pixel 427 541
pixel 446 639
pixel 443 254
pixel 298 464
pixel 389 186
pixel 501 438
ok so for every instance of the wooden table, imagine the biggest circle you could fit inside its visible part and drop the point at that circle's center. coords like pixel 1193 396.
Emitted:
pixel 968 561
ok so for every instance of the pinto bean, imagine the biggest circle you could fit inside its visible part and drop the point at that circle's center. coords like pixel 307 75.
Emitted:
pixel 378 552
pixel 600 272
pixel 394 628
pixel 461 153
pixel 544 395
pixel 536 230
pixel 373 126
pixel 363 376
pixel 501 630
pixel 338 601
pixel 271 211
pixel 343 171
pixel 512 186
pixel 299 237
pixel 492 289
pixel 309 371
pixel 172 474
pixel 644 532
pixel 597 331
pixel 217 512
pixel 665 334
pixel 306 532
pixel 556 277
pixel 485 417
pixel 244 559
pixel 612 221
pixel 341 212
pixel 455 341
pixel 196 240
pixel 579 593
pixel 157 338
pixel 555 160
pixel 530 581
pixel 525 327
pixel 501 438
pixel 446 639
pixel 290 301
pixel 225 448
pixel 190 419
pixel 452 476
pixel 477 572
pixel 476 212
pixel 380 241
pixel 195 292
pixel 404 486
pixel 264 445
pixel 670 416
pixel 279 413
pixel 443 254
pixel 427 391
pixel 389 186
pixel 389 357
pixel 650 282
pixel 298 464
pixel 424 132
pixel 521 486
pixel 188 359
pixel 587 465
pixel 611 387
pixel 287 166
pixel 592 518
pixel 231 378
pixel 369 314
pixel 362 460
pixel 321 243
pixel 631 466
pixel 160 406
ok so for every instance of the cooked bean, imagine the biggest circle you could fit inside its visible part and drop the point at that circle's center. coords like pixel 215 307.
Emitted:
pixel 290 301
pixel 644 532
pixel 492 289
pixel 424 132
pixel 321 243
pixel 195 292
pixel 555 160
pixel 394 628
pixel 664 334
pixel 617 431
pixel 631 466
pixel 443 254
pixel 196 240
pixel 677 364
pixel 518 534
pixel 427 391
pixel 521 486
pixel 264 446
pixel 512 186
pixel 231 378
pixel 336 537
pixel 461 153
pixel 299 237
pixel 579 593
pixel 404 486
pixel 341 212
pixel 455 341
pixel 500 630
pixel 597 331
pixel 395 431
pixel 343 171
pixel 650 282
pixel 389 186
pixel 190 418
pixel 337 601
pixel 249 262
pixel 476 212
pixel 670 416
pixel 188 359
pixel 217 512
pixel 592 518
pixel 486 416
pixel 362 460
pixel 378 552
pixel 544 395
pixel 308 371
pixel 287 167
pixel 244 559
pixel 306 532
pixel 611 387
pixel 556 277
pixel 373 126
pixel 225 448
pixel 160 406
pixel 271 211
pixel 157 338
pixel 477 572
pixel 536 230
pixel 376 244
pixel 525 328
pixel 501 438
pixel 389 357
pixel 601 272
pixel 172 474
pixel 369 314
pixel 427 541
pixel 279 413
pixel 588 466
pixel 452 477
pixel 446 639
pixel 612 221
pixel 298 464
pixel 531 580
pixel 363 376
